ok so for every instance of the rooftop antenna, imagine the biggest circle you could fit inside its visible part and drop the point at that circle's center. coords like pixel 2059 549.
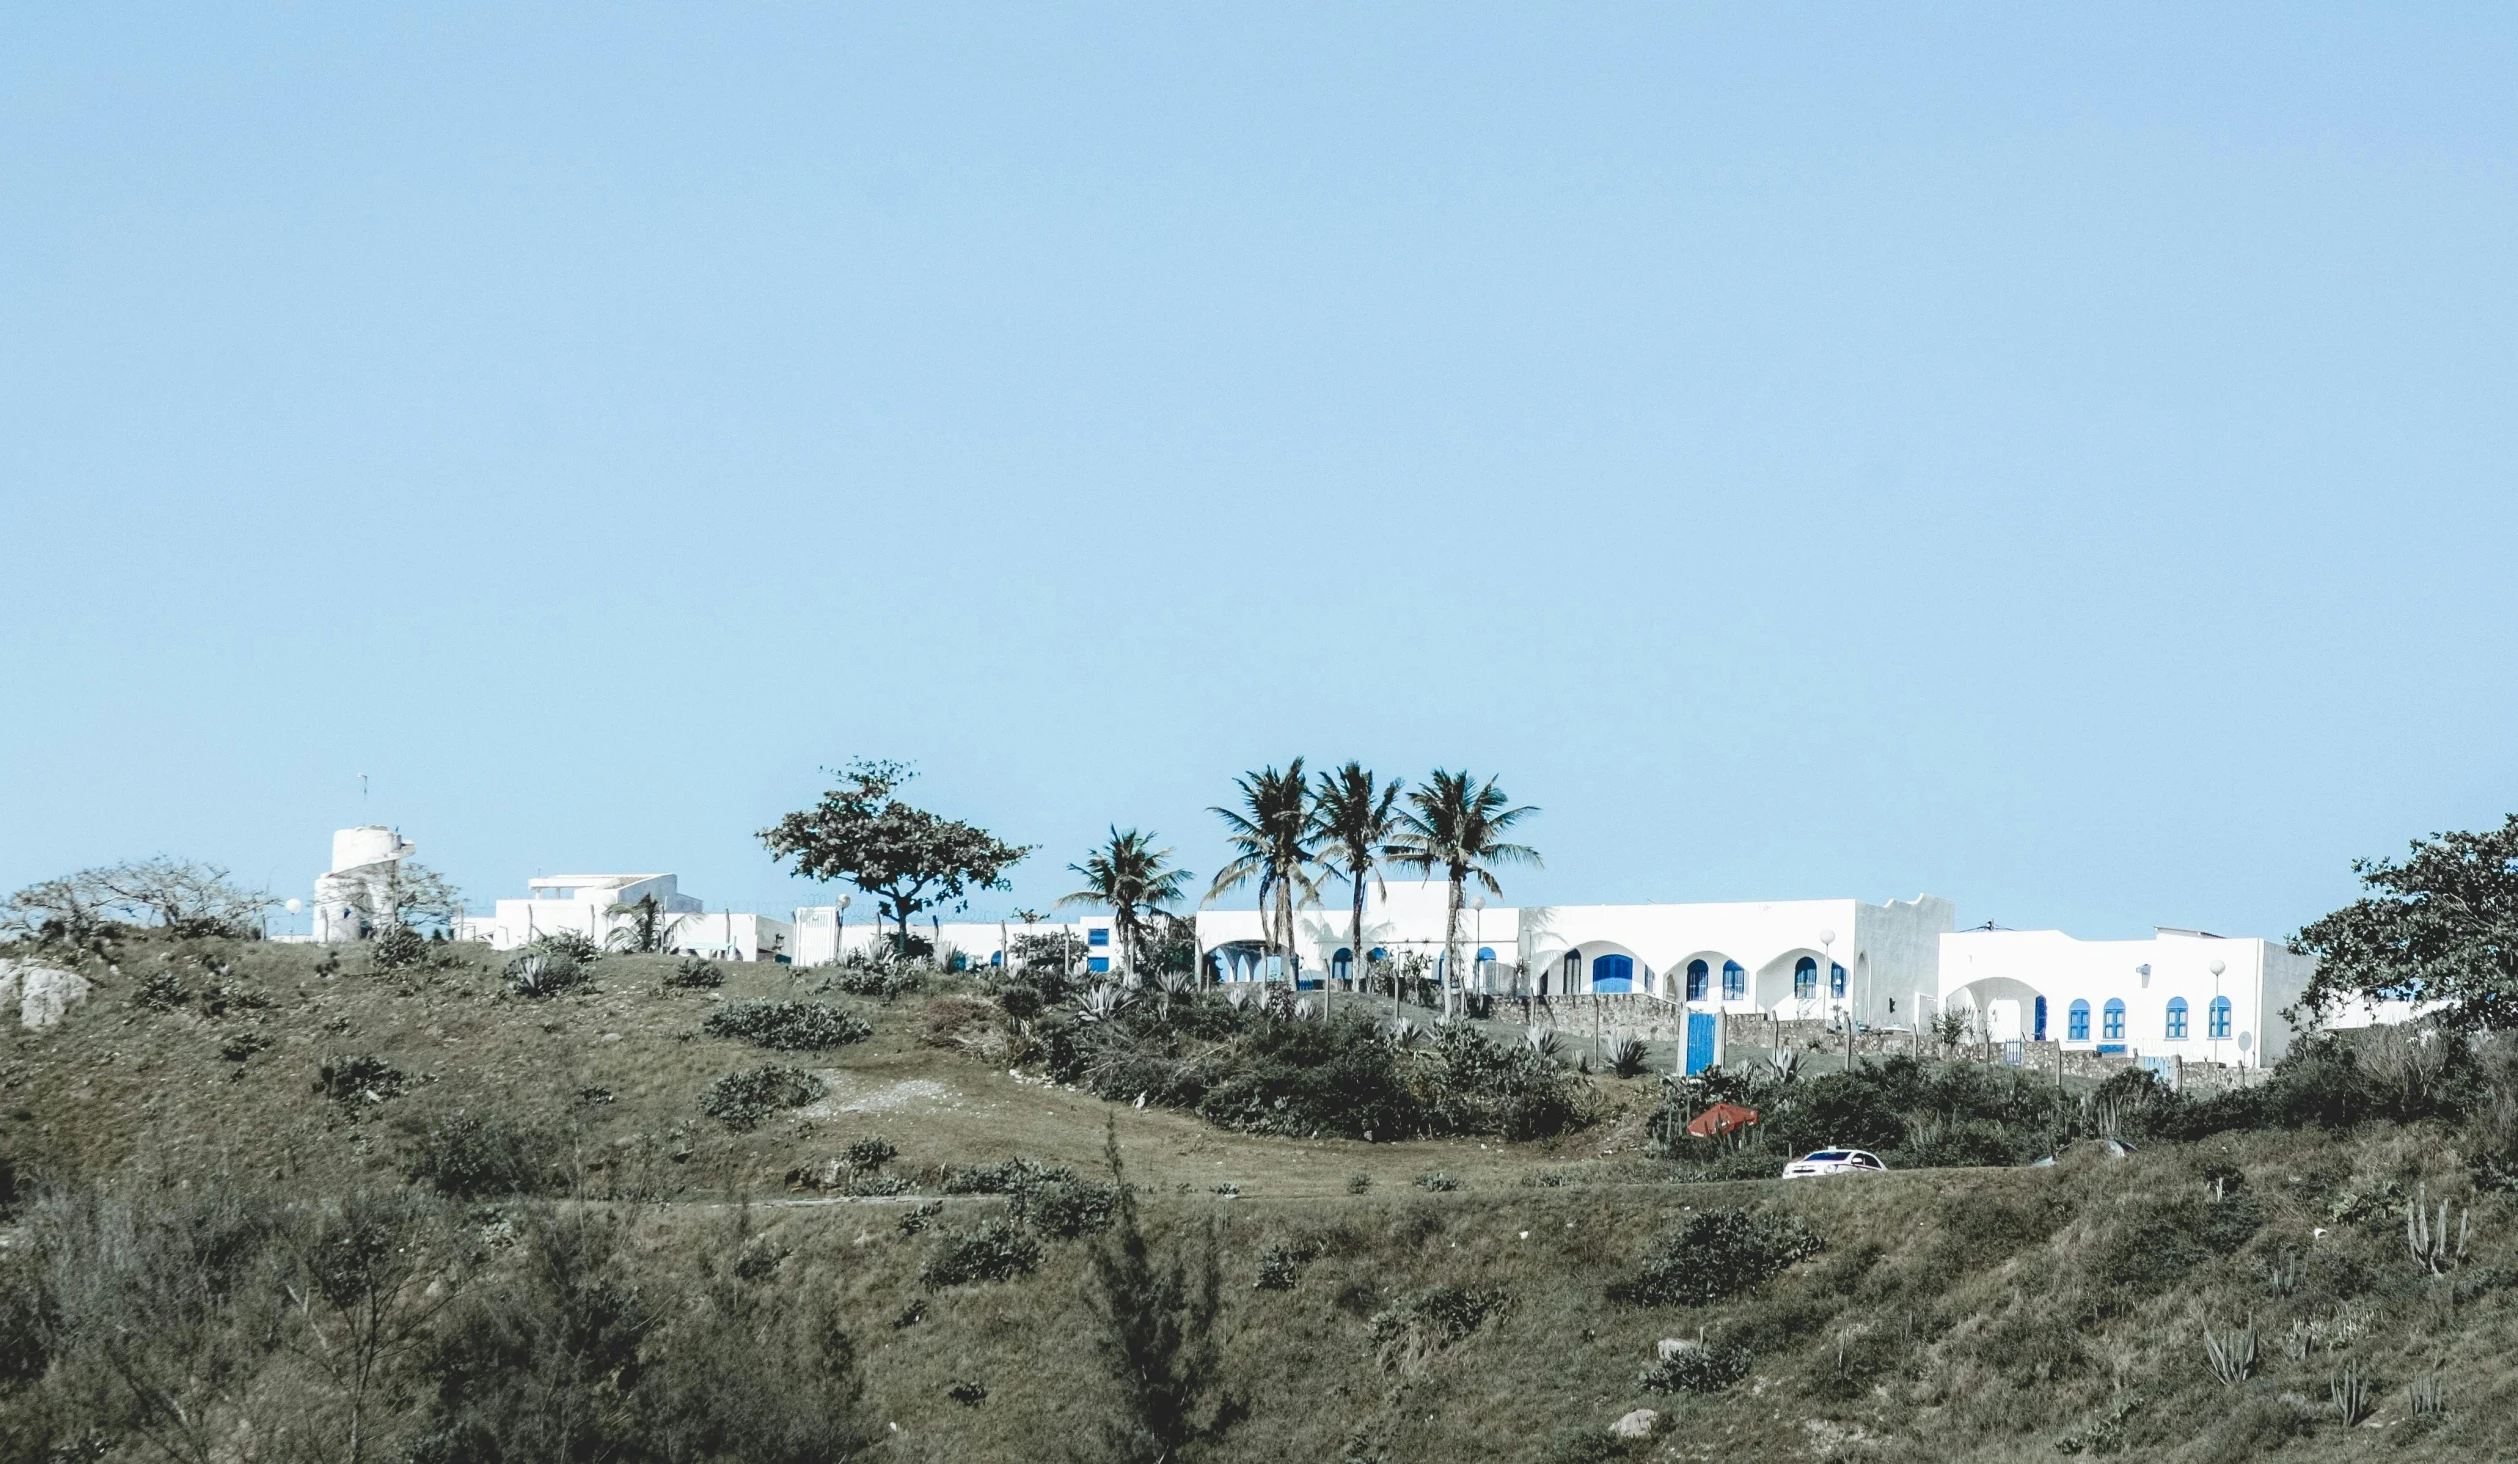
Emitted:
pixel 362 790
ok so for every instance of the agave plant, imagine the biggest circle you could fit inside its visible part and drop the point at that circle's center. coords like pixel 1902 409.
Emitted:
pixel 1404 1033
pixel 1103 1002
pixel 2232 1353
pixel 1543 1041
pixel 1304 1011
pixel 1786 1061
pixel 1626 1057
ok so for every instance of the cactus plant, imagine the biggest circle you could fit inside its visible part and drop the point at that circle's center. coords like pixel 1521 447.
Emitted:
pixel 2233 1353
pixel 2427 1396
pixel 2428 1239
pixel 2349 1392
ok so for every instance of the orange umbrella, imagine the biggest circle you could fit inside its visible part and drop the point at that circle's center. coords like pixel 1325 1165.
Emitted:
pixel 1720 1119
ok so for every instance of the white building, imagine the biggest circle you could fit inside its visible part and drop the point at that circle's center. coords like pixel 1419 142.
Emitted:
pixel 1790 958
pixel 2181 993
pixel 598 905
pixel 824 933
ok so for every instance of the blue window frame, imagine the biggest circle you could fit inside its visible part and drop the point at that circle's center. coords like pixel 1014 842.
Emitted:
pixel 1697 975
pixel 1099 935
pixel 1097 963
pixel 1485 954
pixel 2038 1032
pixel 996 958
pixel 1613 973
pixel 1342 965
pixel 1805 979
pixel 2219 1018
pixel 2076 1022
pixel 2111 1022
pixel 1835 981
pixel 1735 981
pixel 2176 1019
pixel 1573 970
pixel 1377 954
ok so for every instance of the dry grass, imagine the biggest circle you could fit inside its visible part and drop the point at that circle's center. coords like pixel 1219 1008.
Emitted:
pixel 1955 1314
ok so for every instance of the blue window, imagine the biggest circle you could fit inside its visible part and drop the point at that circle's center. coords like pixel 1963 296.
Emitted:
pixel 1377 954
pixel 2076 1022
pixel 2219 1018
pixel 2176 1019
pixel 1099 935
pixel 1805 979
pixel 1836 981
pixel 2111 1022
pixel 996 958
pixel 1485 954
pixel 1613 973
pixel 1697 973
pixel 1097 963
pixel 1735 981
pixel 1573 970
pixel 2038 1032
pixel 1342 965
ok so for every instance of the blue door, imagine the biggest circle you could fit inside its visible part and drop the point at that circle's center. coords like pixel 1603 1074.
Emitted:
pixel 1700 1041
pixel 1613 973
pixel 2040 1029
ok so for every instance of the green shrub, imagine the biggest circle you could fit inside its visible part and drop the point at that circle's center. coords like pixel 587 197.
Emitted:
pixel 869 1153
pixel 1052 1199
pixel 695 973
pixel 1436 1181
pixel 996 1251
pixel 742 1100
pixel 472 1157
pixel 1698 1369
pixel 2162 1244
pixel 1717 1254
pixel 1430 1321
pixel 884 981
pixel 397 947
pixel 788 1026
pixel 242 1045
pixel 353 1081
pixel 535 971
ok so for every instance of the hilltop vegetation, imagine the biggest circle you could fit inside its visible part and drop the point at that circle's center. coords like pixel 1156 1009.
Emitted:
pixel 561 1248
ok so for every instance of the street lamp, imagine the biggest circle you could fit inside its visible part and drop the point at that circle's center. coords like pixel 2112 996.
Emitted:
pixel 1827 952
pixel 2212 1013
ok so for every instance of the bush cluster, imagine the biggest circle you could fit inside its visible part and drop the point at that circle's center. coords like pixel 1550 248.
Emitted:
pixel 884 981
pixel 788 1026
pixel 694 973
pixel 1717 1254
pixel 1260 1068
pixel 1052 1199
pixel 996 1251
pixel 1429 1321
pixel 1696 1368
pixel 352 1081
pixel 743 1100
pixel 474 1156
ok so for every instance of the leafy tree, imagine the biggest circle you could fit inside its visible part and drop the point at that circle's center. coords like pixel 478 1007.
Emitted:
pixel 1457 826
pixel 1135 880
pixel 1271 839
pixel 906 857
pixel 1354 817
pixel 2441 926
pixel 1157 1324
pixel 363 1286
pixel 414 895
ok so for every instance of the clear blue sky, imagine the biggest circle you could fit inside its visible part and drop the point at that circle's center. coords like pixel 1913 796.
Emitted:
pixel 2059 458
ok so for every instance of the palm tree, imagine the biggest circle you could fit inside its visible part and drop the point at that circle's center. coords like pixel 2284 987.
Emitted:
pixel 1132 877
pixel 1353 818
pixel 1458 828
pixel 1270 835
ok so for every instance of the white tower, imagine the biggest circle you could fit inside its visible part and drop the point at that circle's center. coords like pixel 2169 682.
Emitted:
pixel 360 888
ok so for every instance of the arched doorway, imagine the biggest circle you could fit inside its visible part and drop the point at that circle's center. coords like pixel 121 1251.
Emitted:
pixel 1612 973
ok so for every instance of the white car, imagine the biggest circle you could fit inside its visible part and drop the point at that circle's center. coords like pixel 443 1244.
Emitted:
pixel 1834 1161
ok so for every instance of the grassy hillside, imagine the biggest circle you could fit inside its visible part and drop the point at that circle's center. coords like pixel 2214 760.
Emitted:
pixel 1371 1310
